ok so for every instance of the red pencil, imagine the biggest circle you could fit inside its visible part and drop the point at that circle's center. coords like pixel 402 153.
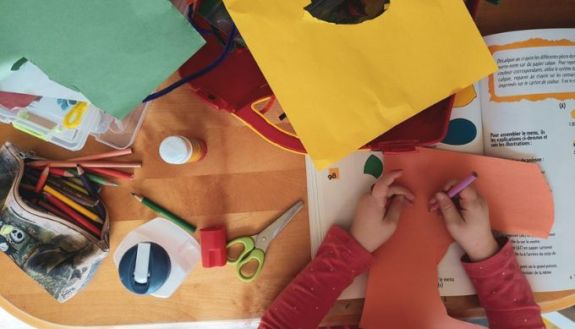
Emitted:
pixel 60 172
pixel 110 173
pixel 42 180
pixel 54 210
pixel 74 215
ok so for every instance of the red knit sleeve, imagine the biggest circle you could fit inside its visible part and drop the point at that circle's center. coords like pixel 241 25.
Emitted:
pixel 504 291
pixel 308 298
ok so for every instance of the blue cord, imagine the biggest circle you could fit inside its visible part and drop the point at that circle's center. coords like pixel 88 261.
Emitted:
pixel 206 69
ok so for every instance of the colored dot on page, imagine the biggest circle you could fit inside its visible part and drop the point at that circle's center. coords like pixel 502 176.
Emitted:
pixel 573 114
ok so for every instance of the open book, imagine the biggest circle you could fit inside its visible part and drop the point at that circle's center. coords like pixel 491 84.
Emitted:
pixel 525 111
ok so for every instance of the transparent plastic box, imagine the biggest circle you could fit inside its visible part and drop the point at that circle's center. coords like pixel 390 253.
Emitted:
pixel 68 123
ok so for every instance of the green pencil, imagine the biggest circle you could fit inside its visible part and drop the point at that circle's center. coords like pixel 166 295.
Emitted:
pixel 166 214
pixel 95 178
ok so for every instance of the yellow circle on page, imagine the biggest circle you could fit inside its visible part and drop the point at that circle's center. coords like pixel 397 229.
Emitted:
pixel 573 114
pixel 465 97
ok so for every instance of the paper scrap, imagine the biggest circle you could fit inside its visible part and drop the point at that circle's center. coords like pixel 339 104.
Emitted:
pixel 344 85
pixel 403 278
pixel 114 52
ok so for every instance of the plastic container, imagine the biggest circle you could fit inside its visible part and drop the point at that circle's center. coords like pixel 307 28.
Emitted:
pixel 68 123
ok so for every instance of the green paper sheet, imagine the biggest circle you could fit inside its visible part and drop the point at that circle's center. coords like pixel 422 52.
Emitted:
pixel 115 52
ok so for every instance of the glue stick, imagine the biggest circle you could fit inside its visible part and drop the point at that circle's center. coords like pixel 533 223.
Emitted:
pixel 180 150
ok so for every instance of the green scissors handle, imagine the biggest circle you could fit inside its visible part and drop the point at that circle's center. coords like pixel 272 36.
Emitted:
pixel 248 254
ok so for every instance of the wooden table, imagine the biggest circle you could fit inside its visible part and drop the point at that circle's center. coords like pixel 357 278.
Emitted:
pixel 244 182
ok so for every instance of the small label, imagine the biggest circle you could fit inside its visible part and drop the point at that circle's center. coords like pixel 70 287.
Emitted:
pixel 333 173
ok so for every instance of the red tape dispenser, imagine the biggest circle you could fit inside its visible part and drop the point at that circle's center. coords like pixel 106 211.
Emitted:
pixel 213 242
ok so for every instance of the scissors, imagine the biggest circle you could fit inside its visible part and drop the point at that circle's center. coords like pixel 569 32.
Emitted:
pixel 255 246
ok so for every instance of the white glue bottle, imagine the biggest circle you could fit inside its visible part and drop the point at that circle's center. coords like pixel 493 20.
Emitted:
pixel 181 150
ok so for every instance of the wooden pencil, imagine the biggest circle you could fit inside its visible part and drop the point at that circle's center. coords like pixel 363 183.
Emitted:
pixel 60 172
pixel 55 211
pixel 99 207
pixel 75 186
pixel 80 198
pixel 100 156
pixel 83 222
pixel 95 178
pixel 110 173
pixel 42 180
pixel 105 155
pixel 72 204
pixel 88 164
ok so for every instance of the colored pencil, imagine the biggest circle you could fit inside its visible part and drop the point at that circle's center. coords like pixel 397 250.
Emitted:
pixel 166 214
pixel 72 204
pixel 110 173
pixel 456 189
pixel 76 196
pixel 75 186
pixel 105 155
pixel 96 179
pixel 100 180
pixel 27 187
pixel 42 180
pixel 100 156
pixel 92 191
pixel 55 211
pixel 87 164
pixel 60 172
pixel 83 222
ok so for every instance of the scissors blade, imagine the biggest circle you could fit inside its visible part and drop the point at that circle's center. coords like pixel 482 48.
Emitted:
pixel 264 239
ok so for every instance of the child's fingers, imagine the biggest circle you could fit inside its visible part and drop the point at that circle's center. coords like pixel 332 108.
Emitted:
pixel 450 213
pixel 379 190
pixel 469 194
pixel 394 211
pixel 400 190
pixel 451 183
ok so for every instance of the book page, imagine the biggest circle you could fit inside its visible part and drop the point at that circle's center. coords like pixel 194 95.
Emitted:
pixel 465 131
pixel 465 134
pixel 333 194
pixel 529 115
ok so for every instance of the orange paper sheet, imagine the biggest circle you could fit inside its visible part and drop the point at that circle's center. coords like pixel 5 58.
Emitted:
pixel 402 286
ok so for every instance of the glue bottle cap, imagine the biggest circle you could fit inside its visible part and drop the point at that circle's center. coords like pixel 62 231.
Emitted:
pixel 176 150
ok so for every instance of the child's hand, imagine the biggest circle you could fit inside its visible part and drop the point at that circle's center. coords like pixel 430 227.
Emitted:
pixel 373 225
pixel 468 225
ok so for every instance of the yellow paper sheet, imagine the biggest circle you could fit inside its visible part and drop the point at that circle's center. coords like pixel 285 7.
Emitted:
pixel 343 85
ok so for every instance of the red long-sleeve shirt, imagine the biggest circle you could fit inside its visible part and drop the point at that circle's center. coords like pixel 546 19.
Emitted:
pixel 502 289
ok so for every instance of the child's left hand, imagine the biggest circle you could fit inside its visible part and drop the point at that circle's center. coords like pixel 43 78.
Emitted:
pixel 378 212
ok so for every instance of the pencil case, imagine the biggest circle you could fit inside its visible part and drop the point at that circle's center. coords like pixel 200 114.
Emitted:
pixel 61 256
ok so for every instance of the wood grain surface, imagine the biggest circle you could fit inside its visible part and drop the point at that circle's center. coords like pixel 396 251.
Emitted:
pixel 244 182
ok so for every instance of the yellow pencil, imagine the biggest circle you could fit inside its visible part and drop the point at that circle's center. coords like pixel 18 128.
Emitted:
pixel 73 204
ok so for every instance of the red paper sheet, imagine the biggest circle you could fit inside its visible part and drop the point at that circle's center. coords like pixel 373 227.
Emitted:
pixel 402 286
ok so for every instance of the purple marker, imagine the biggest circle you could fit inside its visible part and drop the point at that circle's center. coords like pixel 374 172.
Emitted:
pixel 455 190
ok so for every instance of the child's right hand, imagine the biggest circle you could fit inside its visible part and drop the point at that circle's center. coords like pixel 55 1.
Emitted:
pixel 468 225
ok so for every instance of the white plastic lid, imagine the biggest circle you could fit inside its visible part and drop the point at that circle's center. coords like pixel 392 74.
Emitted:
pixel 176 150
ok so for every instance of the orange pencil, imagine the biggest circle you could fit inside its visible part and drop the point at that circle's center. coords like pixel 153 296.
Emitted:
pixel 88 164
pixel 106 155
